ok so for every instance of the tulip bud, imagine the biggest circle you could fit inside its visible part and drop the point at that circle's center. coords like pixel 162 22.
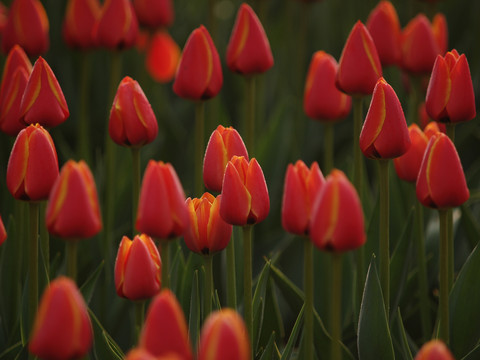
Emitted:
pixel 43 101
pixel 441 182
pixel 322 100
pixel 3 232
pixel 154 13
pixel 27 25
pixel 137 268
pixel 163 55
pixel 337 217
pixel 165 331
pixel 73 210
pixel 450 97
pixel 359 66
pixel 384 134
pixel 132 121
pixel 207 233
pixel 301 188
pixel 199 74
pixel 244 193
pixel 62 329
pixel 224 336
pixel 162 212
pixel 434 350
pixel 78 25
pixel 248 50
pixel 224 143
pixel 33 165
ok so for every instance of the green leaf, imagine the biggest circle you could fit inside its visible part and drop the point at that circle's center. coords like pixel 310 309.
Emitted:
pixel 194 317
pixel 374 340
pixel 111 345
pixel 402 339
pixel 88 286
pixel 268 352
pixel 259 303
pixel 474 354
pixel 287 351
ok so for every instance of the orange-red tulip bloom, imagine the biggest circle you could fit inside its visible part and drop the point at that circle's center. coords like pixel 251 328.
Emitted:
pixel 154 13
pixel 132 120
pixel 244 193
pixel 199 74
pixel 441 182
pixel 248 50
pixel 301 188
pixel 450 97
pixel 434 350
pixel 224 336
pixel 79 22
pixel 138 268
pixel 337 220
pixel 62 329
pixel 321 99
pixel 163 55
pixel 33 165
pixel 224 143
pixel 3 232
pixel 73 210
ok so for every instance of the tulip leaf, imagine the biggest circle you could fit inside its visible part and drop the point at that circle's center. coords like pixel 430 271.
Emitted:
pixel 88 286
pixel 403 347
pixel 473 355
pixel 7 353
pixel 112 346
pixel 374 340
pixel 268 351
pixel 287 351
pixel 194 317
pixel 259 303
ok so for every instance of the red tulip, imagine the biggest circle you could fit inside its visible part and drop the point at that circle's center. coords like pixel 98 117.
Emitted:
pixel 407 166
pixel 244 193
pixel 322 100
pixel 139 354
pixel 162 212
pixel 33 165
pixel 199 74
pixel 359 66
pixel 434 350
pixel 248 50
pixel 79 22
pixel 3 232
pixel 163 55
pixel 224 143
pixel 62 329
pixel 384 134
pixel 73 210
pixel 441 182
pixel 337 218
pixel 301 188
pixel 154 13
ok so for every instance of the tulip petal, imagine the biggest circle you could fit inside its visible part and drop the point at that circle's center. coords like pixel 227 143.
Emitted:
pixel 236 200
pixel 257 187
pixel 461 105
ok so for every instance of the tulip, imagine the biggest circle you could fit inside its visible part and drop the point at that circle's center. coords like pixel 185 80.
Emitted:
pixel 162 57
pixel 62 328
pixel 3 232
pixel 137 268
pixel 301 188
pixel 154 13
pixel 43 101
pixel 432 128
pixel 384 134
pixel 16 59
pixel 79 22
pixel 224 336
pixel 359 66
pixel 450 97
pixel 27 25
pixel 440 32
pixel 165 330
pixel 33 165
pixel 139 354
pixel 248 50
pixel 245 198
pixel 434 350
pixel 224 143
pixel 199 74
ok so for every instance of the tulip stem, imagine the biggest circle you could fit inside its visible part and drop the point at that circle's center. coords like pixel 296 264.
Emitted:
pixel 135 185
pixel 336 307
pixel 443 300
pixel 413 100
pixel 71 258
pixel 308 285
pixel 208 294
pixel 139 317
pixel 247 280
pixel 45 239
pixel 199 145
pixel 384 234
pixel 328 149
pixel 231 278
pixel 451 248
pixel 250 119
pixel 83 120
pixel 165 256
pixel 33 262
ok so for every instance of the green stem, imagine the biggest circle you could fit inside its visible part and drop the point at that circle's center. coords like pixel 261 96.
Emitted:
pixel 83 119
pixel 208 293
pixel 336 307
pixel 328 149
pixel 165 256
pixel 33 262
pixel 139 317
pixel 444 267
pixel 71 251
pixel 308 285
pixel 414 100
pixel 451 247
pixel 135 185
pixel 384 234
pixel 231 278
pixel 250 115
pixel 44 238
pixel 247 279
pixel 199 145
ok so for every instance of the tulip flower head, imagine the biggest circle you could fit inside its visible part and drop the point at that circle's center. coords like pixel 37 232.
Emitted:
pixel 163 55
pixel 384 134
pixel 223 144
pixel 3 232
pixel 154 14
pixel 337 218
pixel 245 199
pixel 62 329
pixel 73 211
pixel 434 350
pixel 301 188
pixel 79 22
pixel 33 165
pixel 321 99
pixel 248 50
pixel 199 73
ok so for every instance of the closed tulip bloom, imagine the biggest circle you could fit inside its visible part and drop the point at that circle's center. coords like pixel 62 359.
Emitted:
pixel 73 210
pixel 441 182
pixel 43 101
pixel 154 13
pixel 248 50
pixel 79 22
pixel 162 212
pixel 223 144
pixel 137 268
pixel 384 134
pixel 199 73
pixel 165 331
pixel 132 121
pixel 321 99
pixel 407 166
pixel 450 97
pixel 434 350
pixel 207 232
pixel 27 25
pixel 16 58
pixel 62 329
pixel 224 336
pixel 163 55
pixel 3 232
pixel 301 188
pixel 33 165
pixel 244 193
pixel 337 219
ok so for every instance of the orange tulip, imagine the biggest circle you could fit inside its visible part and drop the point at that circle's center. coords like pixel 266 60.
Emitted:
pixel 79 22
pixel 3 232
pixel 434 350
pixel 154 13
pixel 407 166
pixel 163 55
